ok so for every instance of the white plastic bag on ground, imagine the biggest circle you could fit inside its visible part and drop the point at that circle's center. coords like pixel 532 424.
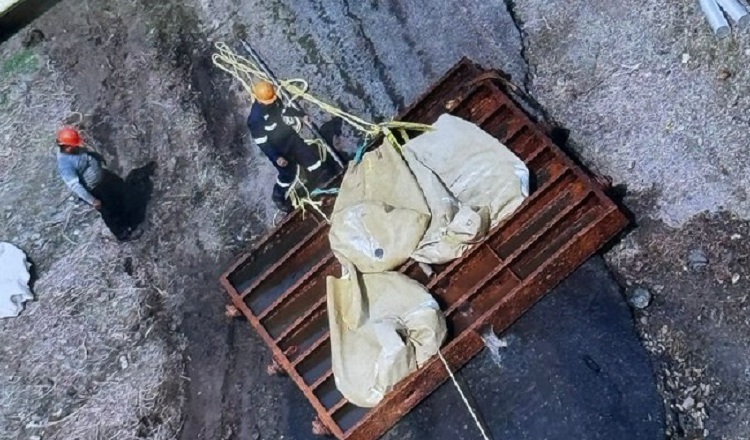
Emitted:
pixel 383 327
pixel 380 213
pixel 471 182
pixel 14 280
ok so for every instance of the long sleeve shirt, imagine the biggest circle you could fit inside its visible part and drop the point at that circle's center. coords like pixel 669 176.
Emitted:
pixel 268 129
pixel 81 172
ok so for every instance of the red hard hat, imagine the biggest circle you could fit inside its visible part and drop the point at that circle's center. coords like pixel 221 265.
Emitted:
pixel 70 137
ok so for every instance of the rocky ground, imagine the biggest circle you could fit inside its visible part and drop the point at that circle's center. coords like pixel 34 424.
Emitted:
pixel 129 341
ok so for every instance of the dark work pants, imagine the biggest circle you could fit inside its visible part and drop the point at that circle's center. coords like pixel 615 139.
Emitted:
pixel 296 152
pixel 120 205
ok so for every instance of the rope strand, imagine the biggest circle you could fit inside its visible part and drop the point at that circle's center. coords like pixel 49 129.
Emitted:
pixel 463 396
pixel 248 72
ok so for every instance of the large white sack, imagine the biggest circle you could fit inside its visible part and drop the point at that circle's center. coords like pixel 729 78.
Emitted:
pixel 383 327
pixel 380 214
pixel 471 182
pixel 14 280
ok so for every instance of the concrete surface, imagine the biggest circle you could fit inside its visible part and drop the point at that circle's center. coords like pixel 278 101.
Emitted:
pixel 640 85
pixel 371 57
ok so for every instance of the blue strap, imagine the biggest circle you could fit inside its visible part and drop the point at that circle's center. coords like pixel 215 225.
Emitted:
pixel 361 150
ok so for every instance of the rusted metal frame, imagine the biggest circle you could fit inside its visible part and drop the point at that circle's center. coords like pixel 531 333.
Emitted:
pixel 519 124
pixel 516 124
pixel 265 238
pixel 340 404
pixel 453 265
pixel 533 137
pixel 518 252
pixel 538 151
pixel 512 273
pixel 481 121
pixel 283 361
pixel 596 187
pixel 537 133
pixel 469 252
pixel 513 123
pixel 413 389
pixel 512 139
pixel 233 294
pixel 431 95
pixel 425 377
pixel 451 269
pixel 490 76
pixel 317 313
pixel 235 297
pixel 504 105
pixel 529 148
pixel 315 345
pixel 321 380
pixel 262 277
pixel 467 344
pixel 293 289
pixel 464 103
pixel 305 316
pixel 596 233
pixel 525 219
pixel 502 316
pixel 478 285
pixel 559 235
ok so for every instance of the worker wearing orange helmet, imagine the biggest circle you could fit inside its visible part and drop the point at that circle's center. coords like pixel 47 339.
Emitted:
pixel 84 172
pixel 279 141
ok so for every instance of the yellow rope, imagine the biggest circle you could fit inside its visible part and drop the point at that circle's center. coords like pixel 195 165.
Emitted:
pixel 322 151
pixel 303 201
pixel 248 72
pixel 463 396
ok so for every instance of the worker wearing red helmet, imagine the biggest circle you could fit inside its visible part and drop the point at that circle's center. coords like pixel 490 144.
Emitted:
pixel 84 172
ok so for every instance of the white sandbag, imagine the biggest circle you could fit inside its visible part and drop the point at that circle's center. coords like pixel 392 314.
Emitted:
pixel 14 280
pixel 459 182
pixel 471 182
pixel 383 327
pixel 380 214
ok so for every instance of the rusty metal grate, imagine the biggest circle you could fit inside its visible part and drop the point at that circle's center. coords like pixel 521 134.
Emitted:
pixel 280 285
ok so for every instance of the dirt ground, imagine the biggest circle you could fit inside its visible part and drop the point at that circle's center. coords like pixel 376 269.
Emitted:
pixel 129 341
pixel 100 353
pixel 697 325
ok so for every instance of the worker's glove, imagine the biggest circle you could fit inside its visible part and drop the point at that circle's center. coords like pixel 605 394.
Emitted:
pixel 281 162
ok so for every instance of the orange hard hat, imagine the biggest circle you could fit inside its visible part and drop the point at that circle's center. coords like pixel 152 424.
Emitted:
pixel 264 92
pixel 69 137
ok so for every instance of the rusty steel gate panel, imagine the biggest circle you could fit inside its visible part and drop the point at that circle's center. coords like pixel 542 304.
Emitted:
pixel 280 286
